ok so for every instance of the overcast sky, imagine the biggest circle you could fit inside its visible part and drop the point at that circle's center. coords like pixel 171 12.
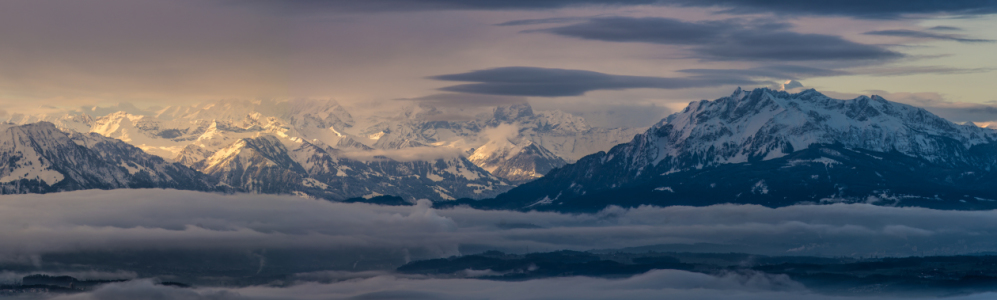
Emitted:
pixel 616 62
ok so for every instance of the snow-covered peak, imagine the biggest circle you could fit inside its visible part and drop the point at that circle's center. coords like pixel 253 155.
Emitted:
pixel 24 149
pixel 322 121
pixel 503 143
pixel 766 124
pixel 118 125
pixel 512 113
pixel 31 135
pixel 509 155
pixel 266 150
pixel 556 120
pixel 317 113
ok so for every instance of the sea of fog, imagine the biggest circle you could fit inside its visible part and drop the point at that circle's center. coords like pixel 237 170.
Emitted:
pixel 123 221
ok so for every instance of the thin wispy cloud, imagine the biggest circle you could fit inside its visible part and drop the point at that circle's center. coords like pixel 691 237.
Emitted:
pixel 915 70
pixel 462 99
pixel 927 35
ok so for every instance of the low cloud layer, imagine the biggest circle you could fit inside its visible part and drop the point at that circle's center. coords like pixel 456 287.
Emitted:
pixel 546 82
pixel 121 220
pixel 657 284
pixel 731 39
pixel 167 219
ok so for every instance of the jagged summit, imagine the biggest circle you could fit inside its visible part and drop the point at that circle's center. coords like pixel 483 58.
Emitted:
pixel 505 114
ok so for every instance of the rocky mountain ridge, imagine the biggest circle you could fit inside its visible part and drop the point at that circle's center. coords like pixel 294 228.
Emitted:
pixel 775 148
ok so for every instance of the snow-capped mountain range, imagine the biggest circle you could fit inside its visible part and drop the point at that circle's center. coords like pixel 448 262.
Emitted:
pixel 777 148
pixel 762 146
pixel 317 148
pixel 765 124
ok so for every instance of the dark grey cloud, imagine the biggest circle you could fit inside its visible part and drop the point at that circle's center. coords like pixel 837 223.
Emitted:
pixel 541 21
pixel 853 8
pixel 945 28
pixel 794 72
pixel 732 39
pixel 658 30
pixel 545 82
pixel 927 35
